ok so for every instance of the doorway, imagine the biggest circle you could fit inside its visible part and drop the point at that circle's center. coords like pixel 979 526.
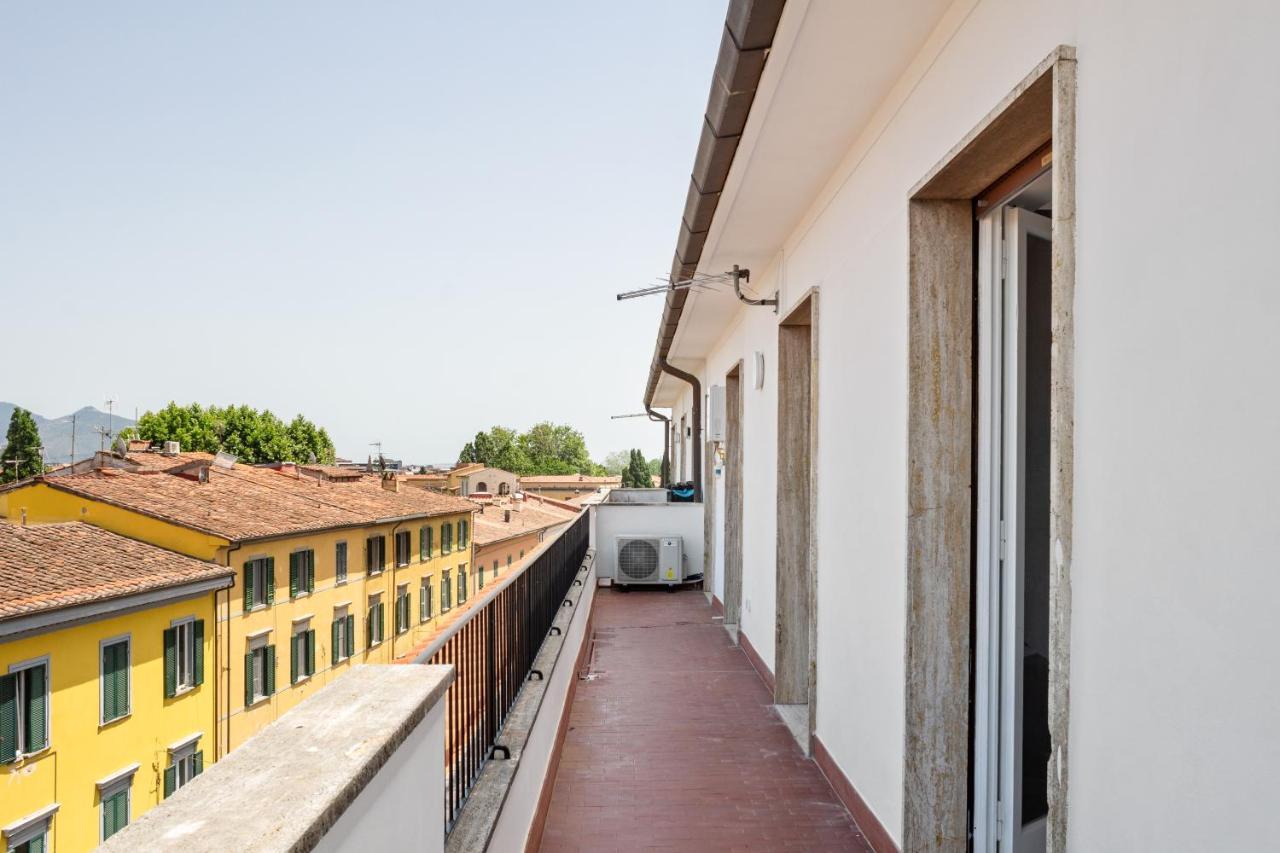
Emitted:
pixel 733 500
pixel 1011 572
pixel 794 667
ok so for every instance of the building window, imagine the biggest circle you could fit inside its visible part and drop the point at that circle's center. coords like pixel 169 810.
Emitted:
pixel 24 710
pixel 522 553
pixel 259 671
pixel 375 625
pixel 402 608
pixel 403 545
pixel 183 656
pixel 302 572
pixel 495 571
pixel 31 836
pixel 446 538
pixel 495 565
pixel 462 583
pixel 115 806
pixel 375 554
pixel 340 562
pixel 344 635
pixel 114 679
pixel 185 763
pixel 480 576
pixel 446 591
pixel 464 533
pixel 425 543
pixel 424 600
pixel 259 582
pixel 504 488
pixel 302 652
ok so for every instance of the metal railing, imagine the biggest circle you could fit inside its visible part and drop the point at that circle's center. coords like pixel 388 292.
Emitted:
pixel 493 650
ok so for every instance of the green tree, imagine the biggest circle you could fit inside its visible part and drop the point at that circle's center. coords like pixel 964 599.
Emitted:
pixel 498 447
pixel 636 474
pixel 252 436
pixel 616 462
pixel 22 450
pixel 546 448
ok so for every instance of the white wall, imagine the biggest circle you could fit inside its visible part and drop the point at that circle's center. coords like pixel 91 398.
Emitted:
pixel 1173 688
pixel 610 521
pixel 402 807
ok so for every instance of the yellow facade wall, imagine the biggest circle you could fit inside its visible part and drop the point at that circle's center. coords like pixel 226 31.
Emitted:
pixel 319 607
pixel 514 549
pixel 234 626
pixel 81 750
pixel 40 503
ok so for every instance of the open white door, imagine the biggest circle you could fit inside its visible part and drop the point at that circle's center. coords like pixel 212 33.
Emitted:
pixel 1011 660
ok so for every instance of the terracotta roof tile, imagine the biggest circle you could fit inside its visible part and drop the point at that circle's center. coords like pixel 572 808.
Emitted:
pixel 50 566
pixel 570 480
pixel 536 515
pixel 250 503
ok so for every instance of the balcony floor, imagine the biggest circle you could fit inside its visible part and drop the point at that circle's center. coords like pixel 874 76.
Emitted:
pixel 672 745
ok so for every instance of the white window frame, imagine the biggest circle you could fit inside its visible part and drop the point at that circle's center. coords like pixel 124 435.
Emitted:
pixel 308 579
pixel 182 756
pixel 127 639
pixel 340 613
pixel 408 547
pixel 340 577
pixel 184 655
pixel 402 592
pixel 375 598
pixel 425 592
pixel 258 643
pixel 261 580
pixel 30 827
pixel 20 695
pixel 301 625
pixel 108 788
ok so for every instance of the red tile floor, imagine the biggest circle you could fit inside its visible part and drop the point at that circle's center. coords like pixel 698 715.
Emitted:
pixel 672 745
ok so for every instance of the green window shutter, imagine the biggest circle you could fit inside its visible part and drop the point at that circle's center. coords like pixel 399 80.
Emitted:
pixel 382 620
pixel 293 575
pixel 424 596
pixel 37 710
pixel 248 585
pixel 170 662
pixel 8 718
pixel 311 652
pixel 368 627
pixel 311 571
pixel 351 635
pixel 197 633
pixel 293 657
pixel 197 763
pixel 170 781
pixel 334 651
pixel 248 679
pixel 271 580
pixel 115 815
pixel 422 543
pixel 431 532
pixel 271 670
pixel 108 683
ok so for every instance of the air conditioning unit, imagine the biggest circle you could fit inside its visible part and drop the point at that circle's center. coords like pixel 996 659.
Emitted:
pixel 650 559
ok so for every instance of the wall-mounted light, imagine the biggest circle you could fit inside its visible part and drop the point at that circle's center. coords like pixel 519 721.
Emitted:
pixel 757 373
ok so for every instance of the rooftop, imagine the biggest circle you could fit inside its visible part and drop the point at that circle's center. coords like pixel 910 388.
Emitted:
pixel 491 524
pixel 245 502
pixel 50 566
pixel 569 480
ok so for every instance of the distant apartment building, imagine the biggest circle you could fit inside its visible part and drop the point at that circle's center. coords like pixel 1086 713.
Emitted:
pixel 329 571
pixel 466 480
pixel 509 529
pixel 567 486
pixel 107 681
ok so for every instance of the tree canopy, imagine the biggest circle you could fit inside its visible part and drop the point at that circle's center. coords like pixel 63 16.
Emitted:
pixel 546 448
pixel 22 451
pixel 251 435
pixel 636 474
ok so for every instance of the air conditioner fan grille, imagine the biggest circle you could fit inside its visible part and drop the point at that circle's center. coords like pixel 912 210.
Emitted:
pixel 638 559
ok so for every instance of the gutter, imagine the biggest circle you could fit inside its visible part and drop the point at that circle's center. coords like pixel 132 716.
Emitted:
pixel 697 424
pixel 665 472
pixel 749 29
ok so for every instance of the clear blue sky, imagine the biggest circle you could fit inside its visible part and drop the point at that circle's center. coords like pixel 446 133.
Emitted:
pixel 406 220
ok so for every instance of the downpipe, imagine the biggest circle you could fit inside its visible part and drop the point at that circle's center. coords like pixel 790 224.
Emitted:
pixel 667 367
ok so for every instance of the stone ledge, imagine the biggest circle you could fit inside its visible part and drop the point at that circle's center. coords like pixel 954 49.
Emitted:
pixel 286 786
pixel 484 804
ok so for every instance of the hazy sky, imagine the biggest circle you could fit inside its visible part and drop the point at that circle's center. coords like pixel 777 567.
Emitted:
pixel 407 221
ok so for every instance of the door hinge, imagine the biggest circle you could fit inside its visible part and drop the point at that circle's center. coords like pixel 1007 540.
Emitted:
pixel 1004 540
pixel 999 822
pixel 1004 259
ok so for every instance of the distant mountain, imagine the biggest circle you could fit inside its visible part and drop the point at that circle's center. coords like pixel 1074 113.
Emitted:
pixel 56 432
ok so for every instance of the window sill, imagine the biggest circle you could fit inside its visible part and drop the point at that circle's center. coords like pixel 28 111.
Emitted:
pixel 303 594
pixel 261 700
pixel 255 608
pixel 23 757
pixel 183 691
pixel 106 724
pixel 340 582
pixel 302 679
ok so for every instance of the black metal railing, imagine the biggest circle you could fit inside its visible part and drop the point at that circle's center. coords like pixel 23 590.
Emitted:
pixel 493 650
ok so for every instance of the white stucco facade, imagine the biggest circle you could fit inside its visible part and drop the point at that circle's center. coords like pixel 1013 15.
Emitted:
pixel 1172 687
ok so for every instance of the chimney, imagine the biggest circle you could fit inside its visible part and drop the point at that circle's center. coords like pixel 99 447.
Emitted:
pixel 506 516
pixel 171 448
pixel 390 482
pixel 517 502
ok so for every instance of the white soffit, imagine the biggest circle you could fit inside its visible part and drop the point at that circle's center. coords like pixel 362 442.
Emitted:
pixel 833 62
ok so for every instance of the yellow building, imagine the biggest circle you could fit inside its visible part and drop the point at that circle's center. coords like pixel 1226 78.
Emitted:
pixel 566 487
pixel 329 572
pixel 509 528
pixel 107 659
